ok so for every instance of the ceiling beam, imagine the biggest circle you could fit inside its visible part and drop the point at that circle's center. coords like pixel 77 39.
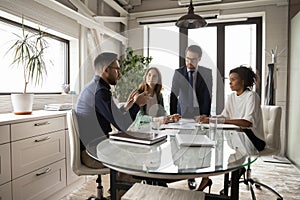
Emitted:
pixel 82 8
pixel 102 19
pixel 83 20
pixel 116 7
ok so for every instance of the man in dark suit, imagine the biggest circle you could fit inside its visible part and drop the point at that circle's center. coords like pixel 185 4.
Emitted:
pixel 191 89
pixel 194 97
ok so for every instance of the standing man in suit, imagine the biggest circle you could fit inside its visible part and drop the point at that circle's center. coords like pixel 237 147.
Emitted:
pixel 191 89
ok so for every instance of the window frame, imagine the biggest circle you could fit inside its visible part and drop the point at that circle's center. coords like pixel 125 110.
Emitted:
pixel 67 61
pixel 221 54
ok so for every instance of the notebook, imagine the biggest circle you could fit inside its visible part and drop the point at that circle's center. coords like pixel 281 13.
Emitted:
pixel 138 137
pixel 194 140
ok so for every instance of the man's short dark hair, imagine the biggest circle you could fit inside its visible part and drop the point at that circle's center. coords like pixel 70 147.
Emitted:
pixel 194 48
pixel 104 59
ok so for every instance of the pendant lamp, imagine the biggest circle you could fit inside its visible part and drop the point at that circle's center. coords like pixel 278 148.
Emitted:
pixel 191 20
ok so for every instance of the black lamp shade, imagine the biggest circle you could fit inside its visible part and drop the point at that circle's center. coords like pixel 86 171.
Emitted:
pixel 191 20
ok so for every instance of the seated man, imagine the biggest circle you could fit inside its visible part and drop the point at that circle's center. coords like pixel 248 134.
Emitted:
pixel 98 117
pixel 96 110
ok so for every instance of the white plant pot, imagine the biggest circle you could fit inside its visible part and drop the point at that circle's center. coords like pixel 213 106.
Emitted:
pixel 22 103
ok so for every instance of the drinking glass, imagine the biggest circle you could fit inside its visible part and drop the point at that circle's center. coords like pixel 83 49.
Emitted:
pixel 216 127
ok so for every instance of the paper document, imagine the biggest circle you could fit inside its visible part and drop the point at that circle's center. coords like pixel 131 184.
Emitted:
pixel 194 140
pixel 64 106
pixel 221 126
pixel 178 125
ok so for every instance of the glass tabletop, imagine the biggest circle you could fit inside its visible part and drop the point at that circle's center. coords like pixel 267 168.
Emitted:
pixel 231 150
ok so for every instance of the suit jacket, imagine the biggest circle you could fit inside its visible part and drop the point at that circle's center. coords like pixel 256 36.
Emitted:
pixel 200 102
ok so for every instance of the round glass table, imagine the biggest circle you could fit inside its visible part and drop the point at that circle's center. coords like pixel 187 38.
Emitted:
pixel 231 150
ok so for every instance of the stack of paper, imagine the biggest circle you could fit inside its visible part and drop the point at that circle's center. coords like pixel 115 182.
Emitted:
pixel 221 126
pixel 64 106
pixel 194 140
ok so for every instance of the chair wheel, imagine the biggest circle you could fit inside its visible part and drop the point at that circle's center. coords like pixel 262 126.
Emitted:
pixel 192 184
pixel 257 186
pixel 222 192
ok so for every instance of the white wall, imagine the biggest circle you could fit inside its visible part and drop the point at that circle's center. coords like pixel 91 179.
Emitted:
pixel 294 94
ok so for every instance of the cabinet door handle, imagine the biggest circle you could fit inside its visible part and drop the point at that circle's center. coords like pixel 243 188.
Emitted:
pixel 41 123
pixel 43 139
pixel 44 172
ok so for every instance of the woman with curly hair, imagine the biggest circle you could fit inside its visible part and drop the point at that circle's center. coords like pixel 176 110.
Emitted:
pixel 243 106
pixel 242 109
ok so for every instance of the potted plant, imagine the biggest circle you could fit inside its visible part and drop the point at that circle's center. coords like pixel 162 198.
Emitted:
pixel 133 68
pixel 28 54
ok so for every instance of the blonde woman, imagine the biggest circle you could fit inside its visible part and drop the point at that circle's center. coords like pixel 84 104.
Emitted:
pixel 154 109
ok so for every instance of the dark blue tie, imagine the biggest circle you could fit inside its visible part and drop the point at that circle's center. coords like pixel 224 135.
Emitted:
pixel 191 77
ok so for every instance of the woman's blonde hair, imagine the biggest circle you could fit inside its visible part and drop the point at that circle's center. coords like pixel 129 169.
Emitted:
pixel 144 87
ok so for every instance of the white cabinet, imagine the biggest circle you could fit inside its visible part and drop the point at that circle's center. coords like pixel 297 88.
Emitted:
pixel 4 134
pixel 5 191
pixel 36 127
pixel 5 164
pixel 5 172
pixel 38 158
pixel 41 183
pixel 5 169
pixel 34 157
pixel 35 152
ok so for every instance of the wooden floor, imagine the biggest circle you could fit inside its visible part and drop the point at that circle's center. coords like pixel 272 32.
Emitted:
pixel 285 178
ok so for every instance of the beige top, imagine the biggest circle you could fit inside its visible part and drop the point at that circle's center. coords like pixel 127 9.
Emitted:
pixel 152 106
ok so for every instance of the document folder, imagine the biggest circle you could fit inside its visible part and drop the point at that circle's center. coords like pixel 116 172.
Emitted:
pixel 138 137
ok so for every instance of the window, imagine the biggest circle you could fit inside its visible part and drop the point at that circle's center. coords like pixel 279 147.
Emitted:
pixel 164 54
pixel 240 49
pixel 224 45
pixel 56 55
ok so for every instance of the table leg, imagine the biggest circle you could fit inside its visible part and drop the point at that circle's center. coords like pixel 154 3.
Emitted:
pixel 234 185
pixel 117 184
pixel 226 183
pixel 113 186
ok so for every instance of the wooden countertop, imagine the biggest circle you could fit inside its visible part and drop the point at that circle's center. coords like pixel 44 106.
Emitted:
pixel 8 118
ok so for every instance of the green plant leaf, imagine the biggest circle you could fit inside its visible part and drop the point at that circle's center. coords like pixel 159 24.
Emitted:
pixel 28 54
pixel 133 68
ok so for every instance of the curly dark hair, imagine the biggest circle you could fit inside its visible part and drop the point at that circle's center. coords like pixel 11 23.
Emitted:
pixel 247 75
